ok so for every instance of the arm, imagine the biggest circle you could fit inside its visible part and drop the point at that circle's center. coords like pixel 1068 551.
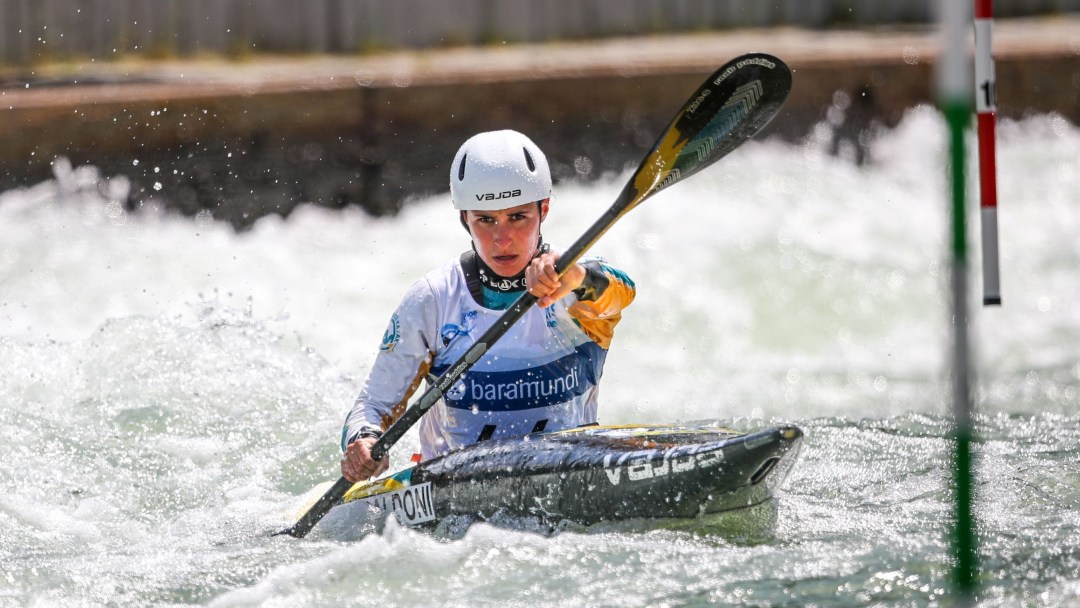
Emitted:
pixel 402 363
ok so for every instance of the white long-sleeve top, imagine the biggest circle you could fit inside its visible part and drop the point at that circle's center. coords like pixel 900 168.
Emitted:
pixel 541 375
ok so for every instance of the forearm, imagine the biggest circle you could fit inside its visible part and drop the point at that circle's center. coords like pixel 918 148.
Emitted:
pixel 363 420
pixel 402 363
pixel 375 409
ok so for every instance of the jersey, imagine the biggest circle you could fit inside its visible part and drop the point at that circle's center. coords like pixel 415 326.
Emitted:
pixel 543 374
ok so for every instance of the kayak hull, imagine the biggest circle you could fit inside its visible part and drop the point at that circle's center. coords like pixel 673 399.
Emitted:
pixel 588 476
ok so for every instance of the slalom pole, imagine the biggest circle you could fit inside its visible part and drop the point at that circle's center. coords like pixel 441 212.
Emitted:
pixel 985 108
pixel 954 96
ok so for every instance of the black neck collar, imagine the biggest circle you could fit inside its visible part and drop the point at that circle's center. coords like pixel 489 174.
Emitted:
pixel 492 281
pixel 479 275
pixel 488 277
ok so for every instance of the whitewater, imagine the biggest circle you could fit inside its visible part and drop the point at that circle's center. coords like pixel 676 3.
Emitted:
pixel 170 388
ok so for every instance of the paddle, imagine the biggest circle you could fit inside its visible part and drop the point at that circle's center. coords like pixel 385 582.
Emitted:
pixel 729 108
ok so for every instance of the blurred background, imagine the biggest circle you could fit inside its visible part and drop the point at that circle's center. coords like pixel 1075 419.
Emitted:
pixel 60 29
pixel 242 108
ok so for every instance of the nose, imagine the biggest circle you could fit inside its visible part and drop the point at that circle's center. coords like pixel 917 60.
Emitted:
pixel 501 235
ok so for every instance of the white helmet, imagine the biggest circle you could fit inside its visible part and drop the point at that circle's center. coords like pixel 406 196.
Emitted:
pixel 497 170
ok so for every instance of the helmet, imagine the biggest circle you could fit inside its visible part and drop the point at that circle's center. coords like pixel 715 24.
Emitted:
pixel 497 170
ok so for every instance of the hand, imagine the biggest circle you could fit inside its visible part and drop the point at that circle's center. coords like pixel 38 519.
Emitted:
pixel 357 463
pixel 542 280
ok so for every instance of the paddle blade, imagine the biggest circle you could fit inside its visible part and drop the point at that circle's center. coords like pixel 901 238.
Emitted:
pixel 318 510
pixel 730 107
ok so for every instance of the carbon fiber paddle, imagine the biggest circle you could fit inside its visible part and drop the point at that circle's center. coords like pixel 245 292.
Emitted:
pixel 729 108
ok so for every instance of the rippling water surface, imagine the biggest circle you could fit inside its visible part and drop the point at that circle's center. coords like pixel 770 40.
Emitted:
pixel 170 389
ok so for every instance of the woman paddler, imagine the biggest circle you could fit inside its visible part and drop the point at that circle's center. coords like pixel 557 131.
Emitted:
pixel 543 373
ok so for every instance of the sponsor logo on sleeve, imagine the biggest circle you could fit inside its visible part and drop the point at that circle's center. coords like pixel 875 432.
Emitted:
pixel 392 335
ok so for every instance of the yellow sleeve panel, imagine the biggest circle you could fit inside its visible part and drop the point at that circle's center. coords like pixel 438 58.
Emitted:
pixel 598 317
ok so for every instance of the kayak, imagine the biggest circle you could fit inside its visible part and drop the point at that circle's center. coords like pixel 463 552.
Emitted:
pixel 585 476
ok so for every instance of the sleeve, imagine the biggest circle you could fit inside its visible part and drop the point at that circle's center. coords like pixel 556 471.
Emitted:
pixel 603 295
pixel 404 358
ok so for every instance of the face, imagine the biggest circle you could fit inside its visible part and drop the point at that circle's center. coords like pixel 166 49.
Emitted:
pixel 506 239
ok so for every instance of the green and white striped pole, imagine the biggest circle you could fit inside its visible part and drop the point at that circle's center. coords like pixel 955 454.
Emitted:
pixel 955 99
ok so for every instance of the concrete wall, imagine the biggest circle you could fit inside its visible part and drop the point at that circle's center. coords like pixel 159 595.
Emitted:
pixel 242 139
pixel 242 156
pixel 43 30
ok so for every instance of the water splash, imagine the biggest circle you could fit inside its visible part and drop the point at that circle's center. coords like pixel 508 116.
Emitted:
pixel 171 387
